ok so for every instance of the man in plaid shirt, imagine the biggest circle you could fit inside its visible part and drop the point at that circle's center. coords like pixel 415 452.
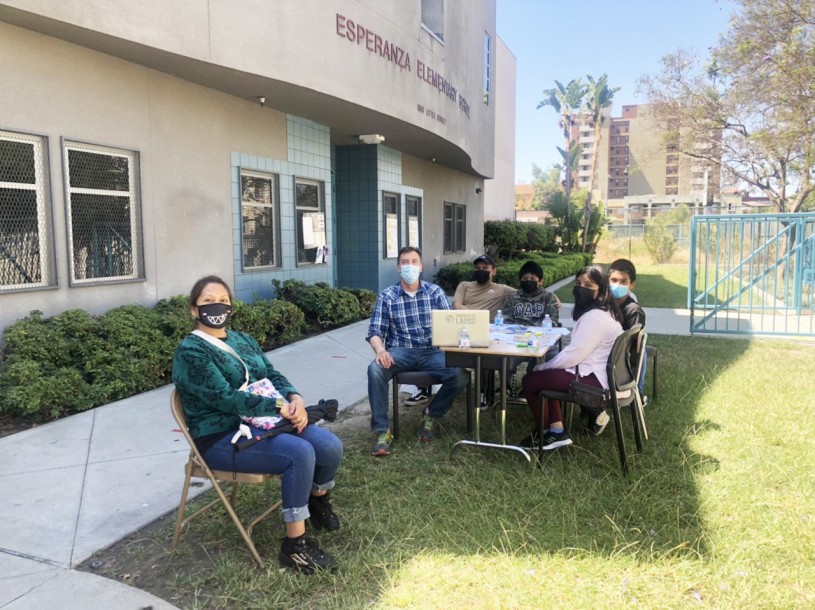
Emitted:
pixel 400 336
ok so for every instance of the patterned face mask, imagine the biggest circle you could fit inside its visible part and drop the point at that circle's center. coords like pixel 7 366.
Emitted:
pixel 214 315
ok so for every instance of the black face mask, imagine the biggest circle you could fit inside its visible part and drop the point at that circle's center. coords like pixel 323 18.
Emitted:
pixel 583 301
pixel 214 315
pixel 529 286
pixel 482 276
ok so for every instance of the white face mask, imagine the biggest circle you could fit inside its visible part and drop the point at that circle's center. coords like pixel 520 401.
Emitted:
pixel 409 273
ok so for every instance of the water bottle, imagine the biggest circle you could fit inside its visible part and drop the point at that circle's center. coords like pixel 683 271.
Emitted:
pixel 547 324
pixel 464 338
pixel 499 318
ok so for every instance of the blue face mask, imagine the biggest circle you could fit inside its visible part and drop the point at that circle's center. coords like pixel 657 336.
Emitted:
pixel 409 274
pixel 619 291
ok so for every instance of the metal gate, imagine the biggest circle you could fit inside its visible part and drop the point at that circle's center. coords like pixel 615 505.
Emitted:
pixel 752 273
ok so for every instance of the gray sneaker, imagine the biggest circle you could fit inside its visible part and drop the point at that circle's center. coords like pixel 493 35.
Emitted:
pixel 382 444
pixel 426 429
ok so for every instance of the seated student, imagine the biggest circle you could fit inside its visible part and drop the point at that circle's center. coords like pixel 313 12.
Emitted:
pixel 400 336
pixel 529 305
pixel 622 277
pixel 482 293
pixel 211 383
pixel 597 326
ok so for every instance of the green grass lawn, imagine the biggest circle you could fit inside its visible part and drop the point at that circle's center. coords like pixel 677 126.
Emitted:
pixel 657 286
pixel 717 512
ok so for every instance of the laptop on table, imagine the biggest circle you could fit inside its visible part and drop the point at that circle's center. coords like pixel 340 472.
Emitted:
pixel 446 325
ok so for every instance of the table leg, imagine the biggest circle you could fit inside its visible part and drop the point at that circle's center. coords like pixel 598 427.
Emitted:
pixel 503 431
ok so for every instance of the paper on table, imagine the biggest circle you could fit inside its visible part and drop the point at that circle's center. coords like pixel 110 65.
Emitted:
pixel 516 334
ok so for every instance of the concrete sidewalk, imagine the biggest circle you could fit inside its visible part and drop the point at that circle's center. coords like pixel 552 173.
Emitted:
pixel 80 484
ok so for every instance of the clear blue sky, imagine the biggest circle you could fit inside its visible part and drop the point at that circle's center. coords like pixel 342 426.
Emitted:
pixel 564 40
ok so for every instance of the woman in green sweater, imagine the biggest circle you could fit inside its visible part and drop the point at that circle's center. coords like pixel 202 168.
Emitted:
pixel 211 381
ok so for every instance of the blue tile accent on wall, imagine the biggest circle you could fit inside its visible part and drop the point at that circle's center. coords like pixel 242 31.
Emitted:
pixel 309 156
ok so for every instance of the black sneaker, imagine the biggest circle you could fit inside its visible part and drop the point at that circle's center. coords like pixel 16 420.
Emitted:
pixel 599 424
pixel 322 515
pixel 304 555
pixel 419 398
pixel 553 440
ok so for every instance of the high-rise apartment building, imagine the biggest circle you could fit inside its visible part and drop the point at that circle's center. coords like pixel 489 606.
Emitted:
pixel 639 172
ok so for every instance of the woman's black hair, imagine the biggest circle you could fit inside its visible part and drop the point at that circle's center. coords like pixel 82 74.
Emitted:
pixel 604 299
pixel 199 286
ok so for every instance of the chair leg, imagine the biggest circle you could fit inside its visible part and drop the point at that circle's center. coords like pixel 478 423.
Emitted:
pixel 395 409
pixel 234 516
pixel 181 507
pixel 654 375
pixel 471 406
pixel 618 427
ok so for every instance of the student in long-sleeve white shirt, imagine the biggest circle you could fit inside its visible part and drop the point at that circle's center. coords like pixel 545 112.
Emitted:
pixel 597 326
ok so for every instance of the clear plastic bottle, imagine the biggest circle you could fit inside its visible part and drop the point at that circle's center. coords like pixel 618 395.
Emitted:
pixel 499 318
pixel 464 338
pixel 547 324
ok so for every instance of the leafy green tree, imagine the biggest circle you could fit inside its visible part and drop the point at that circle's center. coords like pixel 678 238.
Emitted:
pixel 748 109
pixel 544 184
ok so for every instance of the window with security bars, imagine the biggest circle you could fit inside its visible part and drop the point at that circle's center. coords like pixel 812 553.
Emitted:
pixel 414 218
pixel 390 211
pixel 26 233
pixel 310 208
pixel 455 227
pixel 103 213
pixel 259 220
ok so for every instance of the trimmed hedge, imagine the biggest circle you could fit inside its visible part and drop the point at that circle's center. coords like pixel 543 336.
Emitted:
pixel 555 267
pixel 52 367
pixel 504 237
pixel 324 307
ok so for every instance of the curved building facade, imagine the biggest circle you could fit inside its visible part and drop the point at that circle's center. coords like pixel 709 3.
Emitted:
pixel 146 143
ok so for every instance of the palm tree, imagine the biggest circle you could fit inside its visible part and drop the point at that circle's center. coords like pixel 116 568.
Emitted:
pixel 600 97
pixel 566 101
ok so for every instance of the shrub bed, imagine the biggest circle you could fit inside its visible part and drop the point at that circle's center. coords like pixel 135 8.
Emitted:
pixel 53 367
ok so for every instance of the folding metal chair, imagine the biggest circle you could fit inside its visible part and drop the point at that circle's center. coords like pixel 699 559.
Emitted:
pixel 197 467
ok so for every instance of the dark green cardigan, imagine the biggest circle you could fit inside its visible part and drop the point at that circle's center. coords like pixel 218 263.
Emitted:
pixel 208 378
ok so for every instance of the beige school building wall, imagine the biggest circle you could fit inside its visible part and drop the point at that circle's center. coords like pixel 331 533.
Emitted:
pixel 179 84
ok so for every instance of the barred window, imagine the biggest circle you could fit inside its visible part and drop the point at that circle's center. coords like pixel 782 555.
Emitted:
pixel 26 233
pixel 103 214
pixel 259 220
pixel 310 208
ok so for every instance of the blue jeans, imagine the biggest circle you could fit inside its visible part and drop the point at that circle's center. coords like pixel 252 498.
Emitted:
pixel 307 461
pixel 431 360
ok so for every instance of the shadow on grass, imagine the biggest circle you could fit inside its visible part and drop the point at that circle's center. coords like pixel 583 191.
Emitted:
pixel 419 504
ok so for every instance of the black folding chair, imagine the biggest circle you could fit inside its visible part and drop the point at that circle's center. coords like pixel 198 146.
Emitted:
pixel 623 369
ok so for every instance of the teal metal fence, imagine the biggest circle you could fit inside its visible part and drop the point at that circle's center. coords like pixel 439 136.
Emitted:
pixel 752 273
